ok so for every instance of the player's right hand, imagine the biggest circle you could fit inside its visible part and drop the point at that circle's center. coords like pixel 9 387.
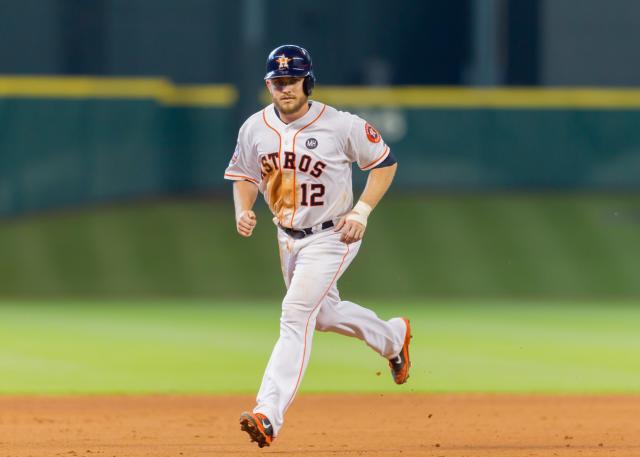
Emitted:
pixel 351 230
pixel 245 223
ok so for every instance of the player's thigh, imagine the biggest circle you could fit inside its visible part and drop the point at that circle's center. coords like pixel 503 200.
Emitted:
pixel 318 267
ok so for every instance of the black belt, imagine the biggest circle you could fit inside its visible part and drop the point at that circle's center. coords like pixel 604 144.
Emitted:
pixel 301 233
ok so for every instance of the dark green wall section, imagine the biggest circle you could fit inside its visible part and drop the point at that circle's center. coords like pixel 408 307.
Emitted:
pixel 206 41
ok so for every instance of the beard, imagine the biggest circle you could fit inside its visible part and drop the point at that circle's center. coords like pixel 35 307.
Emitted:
pixel 290 108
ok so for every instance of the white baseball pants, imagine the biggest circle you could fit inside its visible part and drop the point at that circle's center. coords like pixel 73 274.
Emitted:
pixel 311 266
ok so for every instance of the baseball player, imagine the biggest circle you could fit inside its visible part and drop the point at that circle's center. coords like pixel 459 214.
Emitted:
pixel 298 154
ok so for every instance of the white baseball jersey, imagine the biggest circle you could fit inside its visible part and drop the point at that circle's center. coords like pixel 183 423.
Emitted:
pixel 303 168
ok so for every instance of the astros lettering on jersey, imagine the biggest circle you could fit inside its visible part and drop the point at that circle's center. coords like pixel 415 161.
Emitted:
pixel 303 168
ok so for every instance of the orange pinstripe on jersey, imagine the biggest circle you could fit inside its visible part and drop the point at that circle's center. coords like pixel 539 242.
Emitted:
pixel 247 178
pixel 294 153
pixel 275 182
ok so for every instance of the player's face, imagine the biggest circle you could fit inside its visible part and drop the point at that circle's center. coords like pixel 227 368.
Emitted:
pixel 287 94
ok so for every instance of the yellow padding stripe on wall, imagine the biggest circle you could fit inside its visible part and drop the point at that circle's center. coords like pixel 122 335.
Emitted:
pixel 159 89
pixel 166 92
pixel 460 97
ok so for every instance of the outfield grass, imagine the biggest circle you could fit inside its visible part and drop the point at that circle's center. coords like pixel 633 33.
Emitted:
pixel 194 347
pixel 463 246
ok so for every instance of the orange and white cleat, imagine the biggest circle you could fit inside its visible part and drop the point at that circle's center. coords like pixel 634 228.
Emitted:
pixel 258 427
pixel 401 363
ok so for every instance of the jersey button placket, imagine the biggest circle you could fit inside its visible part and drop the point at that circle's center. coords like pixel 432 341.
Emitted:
pixel 287 148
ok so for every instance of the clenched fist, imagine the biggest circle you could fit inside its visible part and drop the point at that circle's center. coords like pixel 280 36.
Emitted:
pixel 245 223
pixel 351 230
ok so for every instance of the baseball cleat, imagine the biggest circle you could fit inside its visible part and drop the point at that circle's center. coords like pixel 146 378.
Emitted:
pixel 258 427
pixel 401 363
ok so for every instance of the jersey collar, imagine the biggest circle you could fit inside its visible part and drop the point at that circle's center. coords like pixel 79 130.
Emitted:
pixel 310 115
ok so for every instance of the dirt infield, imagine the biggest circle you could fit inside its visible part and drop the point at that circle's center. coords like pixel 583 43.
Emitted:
pixel 324 425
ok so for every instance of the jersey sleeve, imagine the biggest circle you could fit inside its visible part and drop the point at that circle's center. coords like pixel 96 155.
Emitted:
pixel 365 145
pixel 243 165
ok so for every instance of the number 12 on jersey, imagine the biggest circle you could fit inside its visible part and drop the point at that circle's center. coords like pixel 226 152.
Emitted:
pixel 312 194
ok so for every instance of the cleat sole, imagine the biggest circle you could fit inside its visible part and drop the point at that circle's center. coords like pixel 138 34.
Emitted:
pixel 248 425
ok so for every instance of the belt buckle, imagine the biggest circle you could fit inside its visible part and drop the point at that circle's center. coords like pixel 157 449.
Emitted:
pixel 296 234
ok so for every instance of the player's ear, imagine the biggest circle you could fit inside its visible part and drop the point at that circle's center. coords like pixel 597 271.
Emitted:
pixel 268 84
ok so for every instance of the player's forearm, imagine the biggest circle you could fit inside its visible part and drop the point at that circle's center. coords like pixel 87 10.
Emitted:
pixel 244 196
pixel 353 224
pixel 378 182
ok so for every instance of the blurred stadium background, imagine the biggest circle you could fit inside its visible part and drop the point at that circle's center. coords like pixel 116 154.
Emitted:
pixel 515 212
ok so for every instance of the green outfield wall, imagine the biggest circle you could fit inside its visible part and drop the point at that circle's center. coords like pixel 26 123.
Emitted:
pixel 72 142
pixel 503 246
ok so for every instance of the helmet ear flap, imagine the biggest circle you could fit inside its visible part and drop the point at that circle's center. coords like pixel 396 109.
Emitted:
pixel 307 85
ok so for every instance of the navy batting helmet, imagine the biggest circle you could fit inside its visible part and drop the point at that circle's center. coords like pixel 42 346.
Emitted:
pixel 294 61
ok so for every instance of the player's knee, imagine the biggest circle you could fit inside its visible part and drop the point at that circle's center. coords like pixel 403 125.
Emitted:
pixel 321 325
pixel 324 323
pixel 294 318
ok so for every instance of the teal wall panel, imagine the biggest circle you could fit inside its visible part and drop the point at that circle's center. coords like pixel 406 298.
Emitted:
pixel 522 149
pixel 60 153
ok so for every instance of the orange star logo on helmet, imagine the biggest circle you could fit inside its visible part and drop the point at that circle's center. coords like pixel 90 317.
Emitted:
pixel 283 62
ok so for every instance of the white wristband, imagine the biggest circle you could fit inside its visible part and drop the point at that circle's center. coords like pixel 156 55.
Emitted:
pixel 360 213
